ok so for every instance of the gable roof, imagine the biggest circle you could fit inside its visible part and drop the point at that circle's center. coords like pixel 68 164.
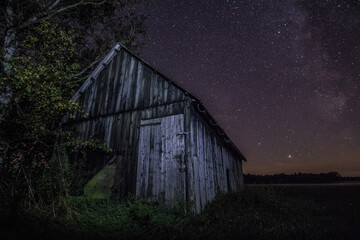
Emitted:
pixel 195 100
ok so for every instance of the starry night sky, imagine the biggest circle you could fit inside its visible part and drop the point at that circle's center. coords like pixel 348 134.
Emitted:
pixel 281 77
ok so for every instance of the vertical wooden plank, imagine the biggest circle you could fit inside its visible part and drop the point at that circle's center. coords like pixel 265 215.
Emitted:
pixel 148 175
pixel 90 102
pixel 216 161
pixel 114 83
pixel 165 91
pixel 177 194
pixel 201 160
pixel 112 139
pixel 155 90
pixel 157 163
pixel 108 130
pixel 170 93
pixel 172 177
pixel 165 128
pixel 132 149
pixel 129 83
pixel 199 165
pixel 145 102
pixel 189 170
pixel 220 168
pixel 106 90
pixel 182 153
pixel 124 140
pixel 85 98
pixel 152 89
pixel 223 168
pixel 147 163
pixel 163 164
pixel 133 85
pixel 211 166
pixel 208 164
pixel 120 95
pixel 118 133
pixel 100 93
pixel 117 82
pixel 227 169
pixel 160 99
pixel 124 82
pixel 140 162
pixel 195 163
pixel 139 85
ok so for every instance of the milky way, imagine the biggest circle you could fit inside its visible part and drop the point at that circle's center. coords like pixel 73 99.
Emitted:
pixel 281 77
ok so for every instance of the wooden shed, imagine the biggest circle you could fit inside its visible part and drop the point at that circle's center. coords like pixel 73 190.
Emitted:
pixel 165 144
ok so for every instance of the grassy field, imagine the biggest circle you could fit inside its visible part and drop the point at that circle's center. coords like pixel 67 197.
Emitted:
pixel 258 212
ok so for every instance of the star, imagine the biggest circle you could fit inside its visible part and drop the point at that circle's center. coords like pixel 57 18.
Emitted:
pixel 285 75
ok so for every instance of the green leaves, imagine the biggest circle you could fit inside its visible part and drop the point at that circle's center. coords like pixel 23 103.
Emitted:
pixel 44 63
pixel 41 81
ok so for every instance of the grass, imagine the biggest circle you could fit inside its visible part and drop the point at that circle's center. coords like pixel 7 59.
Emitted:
pixel 291 212
pixel 258 212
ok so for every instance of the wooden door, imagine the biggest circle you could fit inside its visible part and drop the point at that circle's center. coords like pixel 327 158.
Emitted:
pixel 161 166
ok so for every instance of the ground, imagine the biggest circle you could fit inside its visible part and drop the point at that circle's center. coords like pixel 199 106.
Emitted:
pixel 324 211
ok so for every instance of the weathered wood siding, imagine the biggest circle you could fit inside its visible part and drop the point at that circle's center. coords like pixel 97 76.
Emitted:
pixel 213 166
pixel 125 92
pixel 160 169
pixel 126 84
pixel 121 134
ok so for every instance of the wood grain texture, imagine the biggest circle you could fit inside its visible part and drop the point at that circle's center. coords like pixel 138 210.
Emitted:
pixel 209 162
pixel 160 153
pixel 126 84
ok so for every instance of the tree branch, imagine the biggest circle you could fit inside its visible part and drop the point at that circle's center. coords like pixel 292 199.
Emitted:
pixel 52 13
pixel 54 4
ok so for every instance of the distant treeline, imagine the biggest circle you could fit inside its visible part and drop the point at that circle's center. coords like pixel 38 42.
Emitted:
pixel 329 177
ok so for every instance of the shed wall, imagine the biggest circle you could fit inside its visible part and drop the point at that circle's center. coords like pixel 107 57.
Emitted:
pixel 121 134
pixel 123 93
pixel 212 165
pixel 126 84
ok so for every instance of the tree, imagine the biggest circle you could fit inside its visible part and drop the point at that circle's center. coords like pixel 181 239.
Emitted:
pixel 48 49
pixel 97 25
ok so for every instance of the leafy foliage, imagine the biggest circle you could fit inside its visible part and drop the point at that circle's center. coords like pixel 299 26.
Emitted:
pixel 49 47
pixel 42 80
pixel 40 83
